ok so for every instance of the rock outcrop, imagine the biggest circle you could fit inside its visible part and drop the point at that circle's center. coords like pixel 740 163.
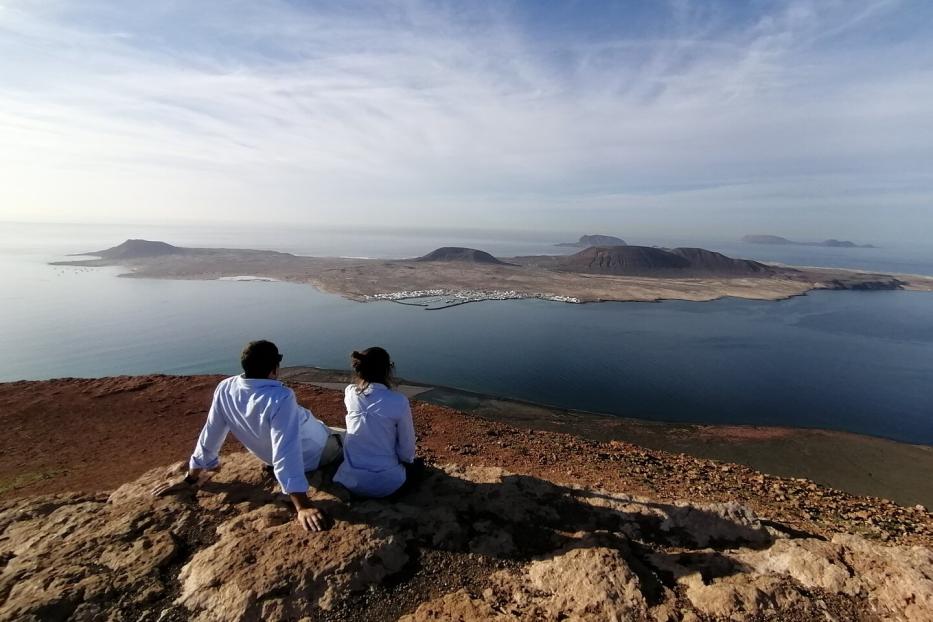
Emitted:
pixel 470 543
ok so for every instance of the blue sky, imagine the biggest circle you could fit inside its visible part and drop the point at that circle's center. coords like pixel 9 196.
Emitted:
pixel 802 118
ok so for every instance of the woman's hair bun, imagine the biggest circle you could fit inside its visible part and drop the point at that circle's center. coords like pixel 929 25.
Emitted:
pixel 372 365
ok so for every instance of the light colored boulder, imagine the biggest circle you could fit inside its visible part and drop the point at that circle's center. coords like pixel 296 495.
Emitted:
pixel 741 596
pixel 588 584
pixel 897 579
pixel 812 563
pixel 263 567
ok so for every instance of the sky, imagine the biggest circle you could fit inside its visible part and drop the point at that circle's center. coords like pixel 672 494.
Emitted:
pixel 804 118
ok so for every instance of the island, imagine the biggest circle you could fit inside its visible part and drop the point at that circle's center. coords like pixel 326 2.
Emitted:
pixel 586 241
pixel 451 276
pixel 776 240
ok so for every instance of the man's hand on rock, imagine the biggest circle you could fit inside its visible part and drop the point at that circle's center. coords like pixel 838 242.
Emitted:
pixel 311 519
pixel 177 484
pixel 170 486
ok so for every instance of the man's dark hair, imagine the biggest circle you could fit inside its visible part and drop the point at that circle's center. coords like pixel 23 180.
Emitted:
pixel 260 358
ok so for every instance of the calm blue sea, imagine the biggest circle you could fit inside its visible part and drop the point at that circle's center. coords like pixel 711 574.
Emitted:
pixel 858 361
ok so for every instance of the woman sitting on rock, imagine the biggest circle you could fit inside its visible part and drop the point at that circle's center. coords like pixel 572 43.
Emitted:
pixel 379 448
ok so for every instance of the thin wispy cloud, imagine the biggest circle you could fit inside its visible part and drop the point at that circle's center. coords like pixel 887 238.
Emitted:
pixel 459 113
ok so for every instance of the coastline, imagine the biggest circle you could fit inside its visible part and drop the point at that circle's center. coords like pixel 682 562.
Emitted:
pixel 856 463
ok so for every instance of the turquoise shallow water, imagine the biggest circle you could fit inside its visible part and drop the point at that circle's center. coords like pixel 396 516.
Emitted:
pixel 858 361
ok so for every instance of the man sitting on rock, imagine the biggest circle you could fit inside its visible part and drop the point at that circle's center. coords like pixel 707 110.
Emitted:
pixel 264 415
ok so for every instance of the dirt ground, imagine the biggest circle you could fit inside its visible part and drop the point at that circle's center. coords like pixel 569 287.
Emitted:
pixel 94 434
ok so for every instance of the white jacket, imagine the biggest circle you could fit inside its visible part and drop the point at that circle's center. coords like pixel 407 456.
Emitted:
pixel 380 436
pixel 265 416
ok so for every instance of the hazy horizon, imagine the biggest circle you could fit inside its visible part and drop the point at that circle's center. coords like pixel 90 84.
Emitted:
pixel 804 119
pixel 155 231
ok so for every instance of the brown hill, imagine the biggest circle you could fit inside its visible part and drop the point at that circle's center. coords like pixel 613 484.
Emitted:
pixel 711 262
pixel 657 262
pixel 460 254
pixel 134 249
pixel 623 260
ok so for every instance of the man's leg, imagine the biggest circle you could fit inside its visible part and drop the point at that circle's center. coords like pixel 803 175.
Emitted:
pixel 331 458
pixel 333 449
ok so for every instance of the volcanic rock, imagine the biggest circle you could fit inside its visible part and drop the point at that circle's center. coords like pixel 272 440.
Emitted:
pixel 232 551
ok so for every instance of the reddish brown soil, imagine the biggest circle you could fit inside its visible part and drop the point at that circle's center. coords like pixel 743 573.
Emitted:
pixel 72 434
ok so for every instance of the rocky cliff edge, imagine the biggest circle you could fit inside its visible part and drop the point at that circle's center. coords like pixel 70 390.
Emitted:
pixel 471 543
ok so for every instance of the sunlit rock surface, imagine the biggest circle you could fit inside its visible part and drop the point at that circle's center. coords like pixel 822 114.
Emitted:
pixel 535 550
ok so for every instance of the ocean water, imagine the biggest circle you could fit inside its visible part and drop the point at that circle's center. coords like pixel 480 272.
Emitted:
pixel 857 361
